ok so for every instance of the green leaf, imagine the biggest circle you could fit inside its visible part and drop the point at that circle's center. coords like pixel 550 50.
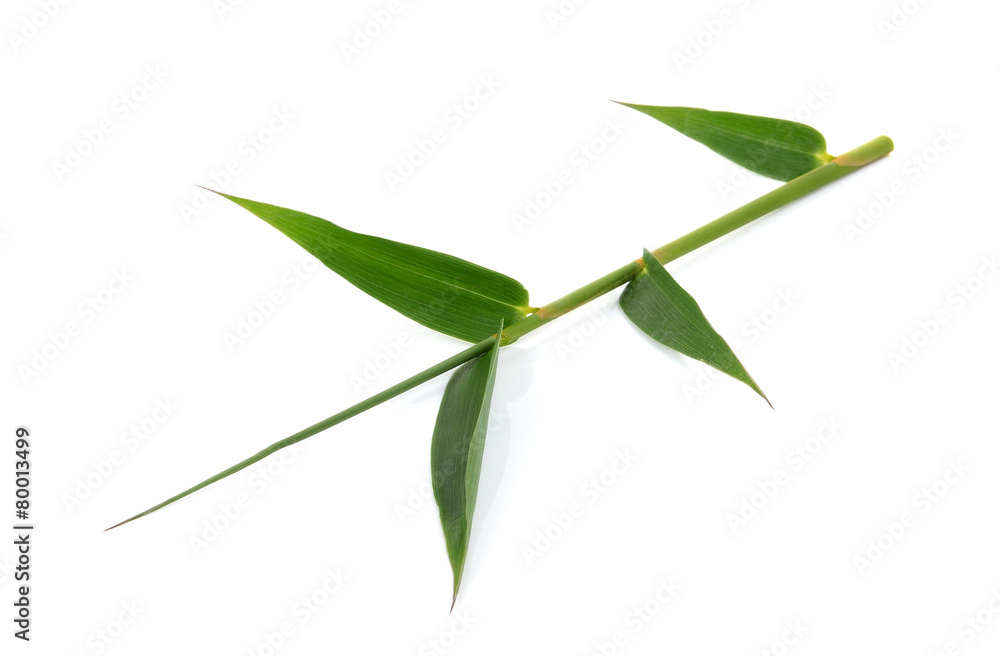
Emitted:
pixel 772 147
pixel 442 292
pixel 659 306
pixel 457 452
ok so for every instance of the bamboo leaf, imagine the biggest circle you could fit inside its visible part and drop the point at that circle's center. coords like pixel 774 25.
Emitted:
pixel 772 147
pixel 457 452
pixel 442 292
pixel 660 307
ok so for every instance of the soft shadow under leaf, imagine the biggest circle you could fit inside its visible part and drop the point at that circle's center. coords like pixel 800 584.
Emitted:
pixel 660 307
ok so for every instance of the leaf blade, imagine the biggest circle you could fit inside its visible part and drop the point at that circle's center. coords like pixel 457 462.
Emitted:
pixel 440 291
pixel 771 147
pixel 457 448
pixel 662 309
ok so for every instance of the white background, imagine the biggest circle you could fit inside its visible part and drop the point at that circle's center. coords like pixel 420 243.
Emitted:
pixel 569 397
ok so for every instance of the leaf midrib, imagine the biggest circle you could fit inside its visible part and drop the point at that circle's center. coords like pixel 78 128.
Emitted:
pixel 397 264
pixel 750 137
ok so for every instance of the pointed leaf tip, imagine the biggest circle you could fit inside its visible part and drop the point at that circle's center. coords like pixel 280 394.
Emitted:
pixel 660 307
pixel 457 452
pixel 440 291
pixel 771 147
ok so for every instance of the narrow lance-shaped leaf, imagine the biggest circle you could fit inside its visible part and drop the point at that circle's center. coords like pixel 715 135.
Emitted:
pixel 658 305
pixel 457 452
pixel 440 291
pixel 772 147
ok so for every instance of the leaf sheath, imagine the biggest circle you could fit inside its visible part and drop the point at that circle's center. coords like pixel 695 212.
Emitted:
pixel 374 400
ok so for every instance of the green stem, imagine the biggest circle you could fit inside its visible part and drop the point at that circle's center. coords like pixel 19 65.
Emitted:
pixel 788 192
pixel 792 190
pixel 372 401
